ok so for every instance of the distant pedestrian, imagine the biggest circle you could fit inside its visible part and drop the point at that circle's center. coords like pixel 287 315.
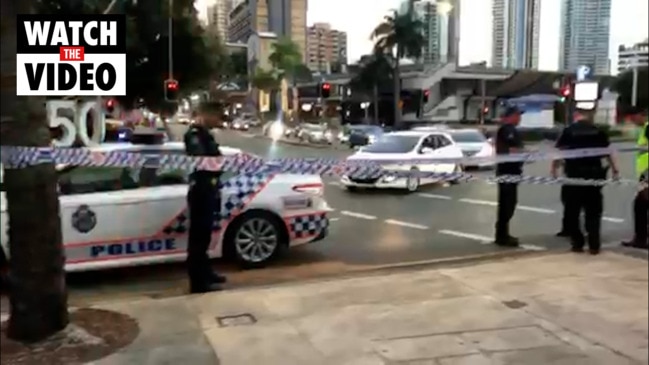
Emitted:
pixel 584 134
pixel 641 201
pixel 508 140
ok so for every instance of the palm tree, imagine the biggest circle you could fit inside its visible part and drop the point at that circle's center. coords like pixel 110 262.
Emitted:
pixel 286 59
pixel 375 72
pixel 38 295
pixel 399 35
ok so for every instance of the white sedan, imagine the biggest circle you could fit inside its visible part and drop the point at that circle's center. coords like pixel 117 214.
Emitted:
pixel 473 143
pixel 413 146
pixel 116 217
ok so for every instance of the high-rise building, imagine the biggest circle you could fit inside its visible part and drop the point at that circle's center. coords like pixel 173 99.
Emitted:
pixel 325 47
pixel 516 29
pixel 284 18
pixel 634 56
pixel 427 13
pixel 585 27
pixel 218 18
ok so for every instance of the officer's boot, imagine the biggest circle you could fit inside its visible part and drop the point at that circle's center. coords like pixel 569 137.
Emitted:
pixel 202 282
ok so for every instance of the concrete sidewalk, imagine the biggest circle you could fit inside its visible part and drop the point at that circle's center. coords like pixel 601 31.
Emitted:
pixel 552 309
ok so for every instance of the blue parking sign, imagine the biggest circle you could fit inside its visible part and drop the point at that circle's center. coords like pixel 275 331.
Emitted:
pixel 584 73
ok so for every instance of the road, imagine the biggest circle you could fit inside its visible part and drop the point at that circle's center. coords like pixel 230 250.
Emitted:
pixel 382 228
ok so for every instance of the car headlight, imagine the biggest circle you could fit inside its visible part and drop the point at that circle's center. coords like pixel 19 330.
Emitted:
pixel 371 139
pixel 389 178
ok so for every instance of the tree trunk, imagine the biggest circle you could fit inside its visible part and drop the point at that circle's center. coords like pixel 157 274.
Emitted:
pixel 38 295
pixel 375 101
pixel 397 94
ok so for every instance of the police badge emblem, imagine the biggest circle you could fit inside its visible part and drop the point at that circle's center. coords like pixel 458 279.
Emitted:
pixel 84 219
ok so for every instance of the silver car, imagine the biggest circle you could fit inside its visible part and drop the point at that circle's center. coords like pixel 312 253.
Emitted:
pixel 315 134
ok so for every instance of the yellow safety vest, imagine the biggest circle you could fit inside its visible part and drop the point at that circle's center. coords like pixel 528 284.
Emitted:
pixel 642 159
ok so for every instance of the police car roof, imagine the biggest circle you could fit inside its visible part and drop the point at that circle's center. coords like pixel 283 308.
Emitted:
pixel 418 133
pixel 167 146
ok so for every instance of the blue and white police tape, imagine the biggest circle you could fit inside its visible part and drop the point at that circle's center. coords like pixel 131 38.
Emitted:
pixel 252 166
pixel 17 157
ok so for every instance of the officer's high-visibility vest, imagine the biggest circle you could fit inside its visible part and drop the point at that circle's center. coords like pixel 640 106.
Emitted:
pixel 642 160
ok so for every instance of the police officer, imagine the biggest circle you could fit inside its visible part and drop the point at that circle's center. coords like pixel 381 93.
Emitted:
pixel 584 134
pixel 641 202
pixel 508 140
pixel 204 201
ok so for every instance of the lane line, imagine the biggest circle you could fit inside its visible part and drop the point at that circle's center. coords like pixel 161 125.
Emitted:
pixel 613 219
pixel 471 236
pixel 333 183
pixel 487 240
pixel 434 196
pixel 357 215
pixel 334 219
pixel 405 224
pixel 535 209
pixel 479 202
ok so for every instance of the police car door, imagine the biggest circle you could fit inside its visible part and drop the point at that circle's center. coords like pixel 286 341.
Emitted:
pixel 110 217
pixel 427 150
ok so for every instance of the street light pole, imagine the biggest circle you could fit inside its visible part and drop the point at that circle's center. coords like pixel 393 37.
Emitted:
pixel 634 86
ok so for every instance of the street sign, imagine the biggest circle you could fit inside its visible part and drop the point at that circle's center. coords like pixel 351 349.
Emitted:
pixel 584 73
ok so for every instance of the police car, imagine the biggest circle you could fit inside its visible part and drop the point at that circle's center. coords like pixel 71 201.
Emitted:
pixel 117 217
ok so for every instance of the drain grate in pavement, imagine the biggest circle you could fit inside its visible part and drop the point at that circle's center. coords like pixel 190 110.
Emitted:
pixel 514 304
pixel 245 319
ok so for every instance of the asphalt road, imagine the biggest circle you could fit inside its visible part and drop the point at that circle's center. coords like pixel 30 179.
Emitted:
pixel 382 228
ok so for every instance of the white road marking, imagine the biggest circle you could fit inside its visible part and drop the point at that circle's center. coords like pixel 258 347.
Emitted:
pixel 333 183
pixel 405 224
pixel 334 219
pixel 471 236
pixel 357 215
pixel 479 202
pixel 434 196
pixel 487 240
pixel 613 220
pixel 535 209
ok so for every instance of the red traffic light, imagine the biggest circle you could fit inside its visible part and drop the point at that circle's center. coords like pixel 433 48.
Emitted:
pixel 326 86
pixel 172 85
pixel 110 103
pixel 565 91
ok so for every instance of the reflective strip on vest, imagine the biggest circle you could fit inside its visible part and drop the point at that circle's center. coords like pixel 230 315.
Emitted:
pixel 642 160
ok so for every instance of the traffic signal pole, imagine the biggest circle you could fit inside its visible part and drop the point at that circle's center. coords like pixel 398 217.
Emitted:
pixel 171 42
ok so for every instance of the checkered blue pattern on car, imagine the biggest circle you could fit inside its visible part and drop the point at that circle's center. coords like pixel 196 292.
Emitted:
pixel 308 225
pixel 246 186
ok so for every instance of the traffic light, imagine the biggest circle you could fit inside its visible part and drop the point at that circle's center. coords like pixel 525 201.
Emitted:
pixel 564 93
pixel 110 106
pixel 325 90
pixel 485 110
pixel 426 95
pixel 171 90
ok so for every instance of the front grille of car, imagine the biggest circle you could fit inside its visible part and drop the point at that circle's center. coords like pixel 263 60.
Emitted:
pixel 364 181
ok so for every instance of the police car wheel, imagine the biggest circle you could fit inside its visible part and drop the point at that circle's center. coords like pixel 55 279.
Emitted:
pixel 458 169
pixel 412 181
pixel 255 239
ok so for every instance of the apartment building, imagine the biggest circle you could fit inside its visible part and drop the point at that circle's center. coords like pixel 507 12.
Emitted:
pixel 325 47
pixel 218 18
pixel 516 33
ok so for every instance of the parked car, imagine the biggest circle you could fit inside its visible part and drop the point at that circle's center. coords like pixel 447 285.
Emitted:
pixel 240 124
pixel 128 216
pixel 415 146
pixel 362 135
pixel 473 143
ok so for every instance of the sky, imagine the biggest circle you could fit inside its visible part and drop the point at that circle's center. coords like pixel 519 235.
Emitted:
pixel 629 24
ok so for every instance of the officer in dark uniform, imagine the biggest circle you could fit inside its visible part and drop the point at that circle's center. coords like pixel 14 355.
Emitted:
pixel 508 140
pixel 204 201
pixel 584 134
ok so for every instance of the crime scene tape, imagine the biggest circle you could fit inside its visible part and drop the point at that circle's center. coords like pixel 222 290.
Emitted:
pixel 18 157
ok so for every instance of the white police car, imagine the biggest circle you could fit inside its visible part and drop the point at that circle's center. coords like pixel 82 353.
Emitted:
pixel 116 217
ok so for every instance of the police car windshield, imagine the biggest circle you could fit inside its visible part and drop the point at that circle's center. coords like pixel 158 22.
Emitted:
pixel 393 144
